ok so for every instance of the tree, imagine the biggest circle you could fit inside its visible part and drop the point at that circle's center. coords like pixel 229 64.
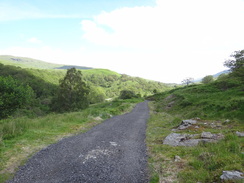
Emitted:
pixel 187 81
pixel 236 64
pixel 96 95
pixel 13 95
pixel 222 76
pixel 127 94
pixel 207 79
pixel 72 93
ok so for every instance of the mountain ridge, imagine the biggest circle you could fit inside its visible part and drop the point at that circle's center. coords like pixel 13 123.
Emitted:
pixel 26 62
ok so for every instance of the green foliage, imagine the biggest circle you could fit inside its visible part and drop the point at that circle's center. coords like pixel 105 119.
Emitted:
pixel 207 79
pixel 96 95
pixel 13 95
pixel 41 88
pixel 222 76
pixel 127 94
pixel 72 94
pixel 236 64
pixel 219 99
pixel 104 83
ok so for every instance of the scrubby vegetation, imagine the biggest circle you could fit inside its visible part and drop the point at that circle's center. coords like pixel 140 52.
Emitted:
pixel 102 84
pixel 220 105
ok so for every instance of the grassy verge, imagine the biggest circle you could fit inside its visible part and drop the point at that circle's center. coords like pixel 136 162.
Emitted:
pixel 21 137
pixel 203 163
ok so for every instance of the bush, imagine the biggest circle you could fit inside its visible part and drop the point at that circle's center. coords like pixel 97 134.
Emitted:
pixel 207 79
pixel 127 94
pixel 13 95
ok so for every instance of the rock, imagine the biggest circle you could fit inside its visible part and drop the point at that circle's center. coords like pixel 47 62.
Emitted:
pixel 206 135
pixel 209 135
pixel 186 123
pixel 229 175
pixel 177 158
pixel 227 121
pixel 189 122
pixel 240 134
pixel 176 139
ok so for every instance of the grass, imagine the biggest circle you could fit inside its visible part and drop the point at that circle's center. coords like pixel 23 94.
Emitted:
pixel 21 137
pixel 205 162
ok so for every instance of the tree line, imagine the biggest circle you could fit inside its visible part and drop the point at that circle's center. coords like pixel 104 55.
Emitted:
pixel 34 92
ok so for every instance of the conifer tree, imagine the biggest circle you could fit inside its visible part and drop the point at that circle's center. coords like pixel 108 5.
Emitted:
pixel 72 93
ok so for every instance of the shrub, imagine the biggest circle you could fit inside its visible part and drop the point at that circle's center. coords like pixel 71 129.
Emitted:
pixel 13 95
pixel 127 94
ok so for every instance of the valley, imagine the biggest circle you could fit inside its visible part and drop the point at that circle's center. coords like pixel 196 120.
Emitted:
pixel 217 107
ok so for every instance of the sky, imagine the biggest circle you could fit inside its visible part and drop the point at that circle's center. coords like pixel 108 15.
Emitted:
pixel 161 40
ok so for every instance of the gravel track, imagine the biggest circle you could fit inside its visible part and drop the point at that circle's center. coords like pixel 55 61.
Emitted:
pixel 112 152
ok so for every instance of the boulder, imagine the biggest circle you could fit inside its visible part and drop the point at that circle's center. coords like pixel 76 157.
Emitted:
pixel 240 134
pixel 207 135
pixel 186 123
pixel 177 158
pixel 176 139
pixel 230 175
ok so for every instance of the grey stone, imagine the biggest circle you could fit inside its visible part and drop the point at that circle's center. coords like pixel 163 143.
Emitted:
pixel 207 135
pixel 186 123
pixel 240 134
pixel 176 139
pixel 189 122
pixel 177 158
pixel 229 175
pixel 227 121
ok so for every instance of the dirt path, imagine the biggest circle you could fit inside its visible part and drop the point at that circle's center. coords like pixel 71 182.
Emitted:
pixel 114 151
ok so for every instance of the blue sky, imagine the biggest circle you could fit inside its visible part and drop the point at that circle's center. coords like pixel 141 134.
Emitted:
pixel 162 40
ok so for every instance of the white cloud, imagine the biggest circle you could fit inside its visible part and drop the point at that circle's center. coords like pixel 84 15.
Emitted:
pixel 168 42
pixel 34 40
pixel 187 38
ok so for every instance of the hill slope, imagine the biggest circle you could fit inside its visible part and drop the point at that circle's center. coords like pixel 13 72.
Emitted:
pixel 110 82
pixel 217 108
pixel 33 63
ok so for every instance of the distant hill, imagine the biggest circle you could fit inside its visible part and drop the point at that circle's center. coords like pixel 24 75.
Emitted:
pixel 110 82
pixel 34 63
pixel 222 72
pixel 73 66
pixel 214 75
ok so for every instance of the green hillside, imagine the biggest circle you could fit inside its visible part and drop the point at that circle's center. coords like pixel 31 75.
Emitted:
pixel 26 62
pixel 218 108
pixel 34 63
pixel 103 83
pixel 111 82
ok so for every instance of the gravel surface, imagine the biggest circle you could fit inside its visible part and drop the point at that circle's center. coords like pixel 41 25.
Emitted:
pixel 114 151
